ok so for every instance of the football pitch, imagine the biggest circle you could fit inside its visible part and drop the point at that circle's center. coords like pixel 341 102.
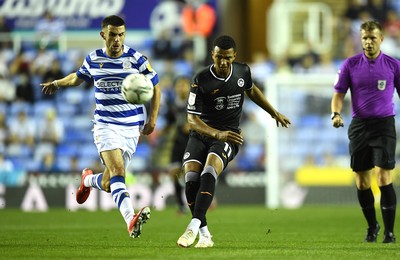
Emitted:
pixel 239 232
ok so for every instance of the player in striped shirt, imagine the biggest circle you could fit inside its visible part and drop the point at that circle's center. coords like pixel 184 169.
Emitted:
pixel 117 123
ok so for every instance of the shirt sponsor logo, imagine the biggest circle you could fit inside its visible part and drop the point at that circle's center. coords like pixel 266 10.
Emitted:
pixel 381 84
pixel 111 84
pixel 240 82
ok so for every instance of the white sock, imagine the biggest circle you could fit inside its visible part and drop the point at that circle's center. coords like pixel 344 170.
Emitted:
pixel 94 181
pixel 204 231
pixel 194 225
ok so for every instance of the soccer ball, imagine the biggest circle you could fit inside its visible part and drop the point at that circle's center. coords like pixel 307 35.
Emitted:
pixel 137 89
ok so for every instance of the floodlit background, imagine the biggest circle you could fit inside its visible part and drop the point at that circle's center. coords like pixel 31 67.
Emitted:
pixel 294 49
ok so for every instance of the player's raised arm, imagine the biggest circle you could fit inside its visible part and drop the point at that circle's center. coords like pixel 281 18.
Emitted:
pixel 70 80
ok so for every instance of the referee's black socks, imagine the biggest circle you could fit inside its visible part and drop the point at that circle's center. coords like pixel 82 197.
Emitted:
pixel 366 200
pixel 388 206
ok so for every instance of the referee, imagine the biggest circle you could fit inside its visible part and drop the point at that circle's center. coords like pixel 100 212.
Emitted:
pixel 372 77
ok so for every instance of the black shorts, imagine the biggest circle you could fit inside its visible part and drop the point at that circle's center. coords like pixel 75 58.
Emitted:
pixel 199 146
pixel 372 143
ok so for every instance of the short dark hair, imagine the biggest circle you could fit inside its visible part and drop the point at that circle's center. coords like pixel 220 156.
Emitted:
pixel 113 20
pixel 370 26
pixel 225 42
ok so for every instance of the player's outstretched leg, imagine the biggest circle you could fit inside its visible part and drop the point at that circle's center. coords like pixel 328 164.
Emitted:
pixel 83 192
pixel 136 224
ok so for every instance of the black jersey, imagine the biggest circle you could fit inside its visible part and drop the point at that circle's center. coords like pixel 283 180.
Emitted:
pixel 218 101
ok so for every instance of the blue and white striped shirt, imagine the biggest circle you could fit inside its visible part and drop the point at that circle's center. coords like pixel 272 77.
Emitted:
pixel 107 75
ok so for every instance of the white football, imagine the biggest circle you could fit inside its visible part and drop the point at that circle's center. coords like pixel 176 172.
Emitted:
pixel 137 89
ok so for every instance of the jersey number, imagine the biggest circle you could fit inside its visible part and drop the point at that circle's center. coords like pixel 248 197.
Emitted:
pixel 227 149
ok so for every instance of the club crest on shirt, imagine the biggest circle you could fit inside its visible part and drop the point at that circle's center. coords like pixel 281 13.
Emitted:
pixel 381 84
pixel 126 65
pixel 240 82
pixel 219 103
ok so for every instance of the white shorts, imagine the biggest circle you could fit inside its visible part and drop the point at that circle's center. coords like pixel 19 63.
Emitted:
pixel 110 137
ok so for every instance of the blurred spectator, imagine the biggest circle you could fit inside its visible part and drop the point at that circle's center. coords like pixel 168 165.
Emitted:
pixel 22 129
pixel 379 9
pixel 25 90
pixel 392 24
pixel 166 27
pixel 391 28
pixel 20 64
pixel 50 133
pixel 52 73
pixel 49 164
pixel 5 164
pixel 351 47
pixel 22 135
pixel 42 62
pixel 51 128
pixel 326 65
pixel 5 35
pixel 354 8
pixel 282 66
pixel 7 87
pixel 261 67
pixel 305 65
pixel 48 31
pixel 252 154
pixel 198 20
pixel 165 48
pixel 4 131
pixel 179 127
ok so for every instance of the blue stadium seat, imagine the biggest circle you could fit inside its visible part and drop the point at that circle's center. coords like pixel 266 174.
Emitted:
pixel 40 108
pixel 16 107
pixel 67 149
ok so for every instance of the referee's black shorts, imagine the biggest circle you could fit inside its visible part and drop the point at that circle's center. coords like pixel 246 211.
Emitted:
pixel 372 143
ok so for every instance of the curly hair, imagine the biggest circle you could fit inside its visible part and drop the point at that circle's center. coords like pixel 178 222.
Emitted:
pixel 225 42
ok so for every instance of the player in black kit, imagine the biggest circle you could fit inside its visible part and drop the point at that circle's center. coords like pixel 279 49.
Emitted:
pixel 214 110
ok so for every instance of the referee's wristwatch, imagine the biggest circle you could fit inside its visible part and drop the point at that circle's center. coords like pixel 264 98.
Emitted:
pixel 334 114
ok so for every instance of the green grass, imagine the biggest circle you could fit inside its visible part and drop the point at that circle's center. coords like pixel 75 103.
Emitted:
pixel 241 232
